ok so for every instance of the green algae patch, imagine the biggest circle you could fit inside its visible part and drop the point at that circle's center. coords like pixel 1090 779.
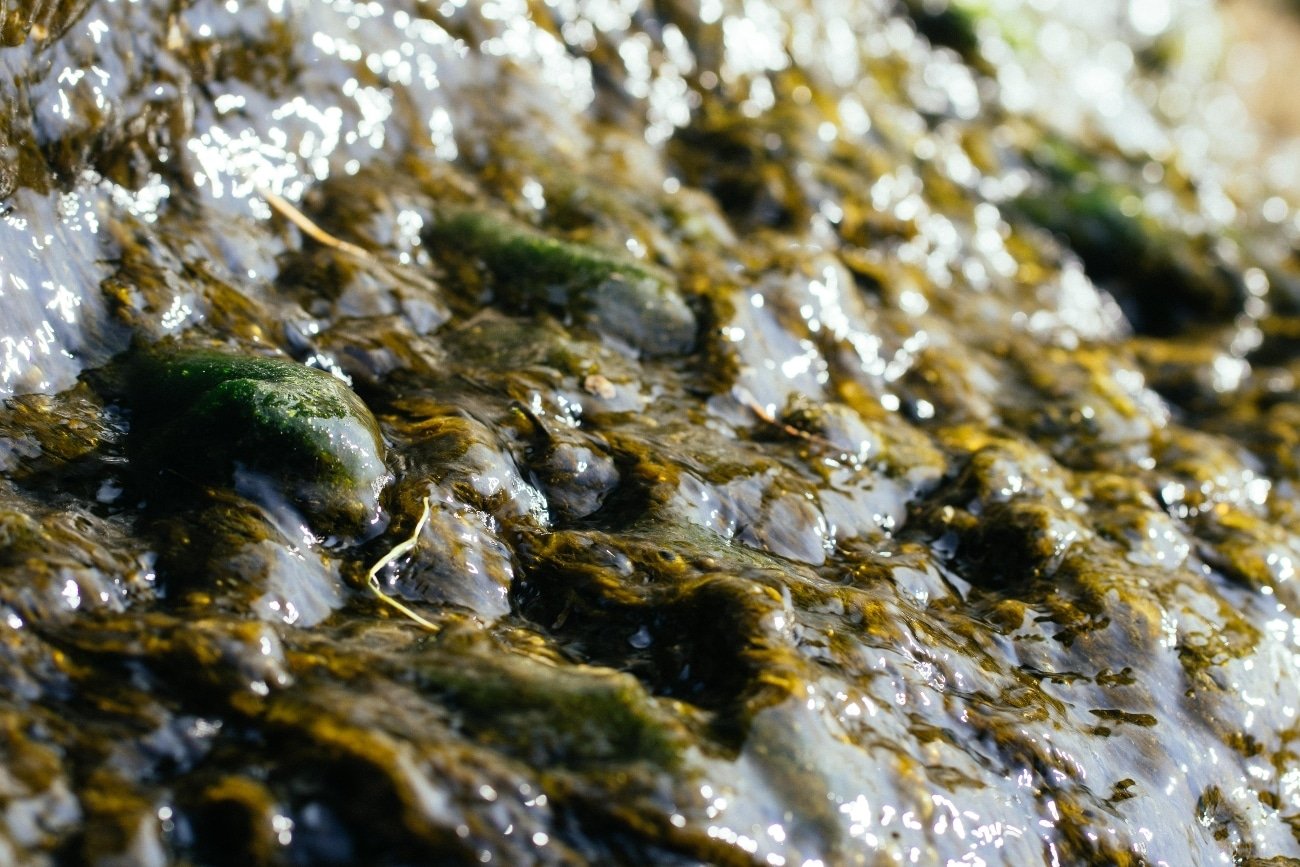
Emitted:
pixel 626 300
pixel 218 418
pixel 571 716
pixel 1165 277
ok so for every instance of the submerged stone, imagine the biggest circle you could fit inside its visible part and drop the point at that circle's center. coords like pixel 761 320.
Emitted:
pixel 803 458
pixel 629 301
pixel 270 426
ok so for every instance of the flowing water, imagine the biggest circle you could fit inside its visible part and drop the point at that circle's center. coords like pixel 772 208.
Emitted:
pixel 785 432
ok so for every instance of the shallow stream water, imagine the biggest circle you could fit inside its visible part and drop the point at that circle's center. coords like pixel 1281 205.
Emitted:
pixel 786 432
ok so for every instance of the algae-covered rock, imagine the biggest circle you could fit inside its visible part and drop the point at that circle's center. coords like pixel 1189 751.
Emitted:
pixel 623 299
pixel 270 426
pixel 821 433
pixel 1163 276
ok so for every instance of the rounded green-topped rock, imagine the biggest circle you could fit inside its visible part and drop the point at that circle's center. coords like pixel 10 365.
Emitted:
pixel 632 303
pixel 266 425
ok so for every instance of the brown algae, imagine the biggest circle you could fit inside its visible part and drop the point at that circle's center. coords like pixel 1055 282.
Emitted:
pixel 570 432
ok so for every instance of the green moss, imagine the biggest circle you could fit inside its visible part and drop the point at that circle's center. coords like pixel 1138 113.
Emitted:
pixel 626 300
pixel 1164 278
pixel 580 715
pixel 217 418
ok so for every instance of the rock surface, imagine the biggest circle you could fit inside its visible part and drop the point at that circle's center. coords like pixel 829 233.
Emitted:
pixel 851 433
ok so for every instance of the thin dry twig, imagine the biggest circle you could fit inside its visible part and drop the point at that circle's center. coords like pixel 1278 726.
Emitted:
pixel 287 210
pixel 399 550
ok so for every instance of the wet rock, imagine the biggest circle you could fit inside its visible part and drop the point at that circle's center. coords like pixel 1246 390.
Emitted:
pixel 336 286
pixel 56 434
pixel 224 552
pixel 37 806
pixel 269 426
pixel 630 302
pixel 460 559
pixel 464 455
pixel 576 479
pixel 494 348
pixel 865 530
pixel 759 511
pixel 238 809
pixel 298 586
pixel 70 562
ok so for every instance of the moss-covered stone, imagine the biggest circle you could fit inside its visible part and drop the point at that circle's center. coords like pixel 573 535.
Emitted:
pixel 1165 277
pixel 626 300
pixel 270 426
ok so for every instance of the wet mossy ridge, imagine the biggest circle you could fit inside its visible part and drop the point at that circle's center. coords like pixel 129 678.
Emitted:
pixel 267 427
pixel 567 434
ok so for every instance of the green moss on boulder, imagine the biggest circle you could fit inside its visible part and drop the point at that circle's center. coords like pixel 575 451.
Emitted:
pixel 217 417
pixel 631 302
